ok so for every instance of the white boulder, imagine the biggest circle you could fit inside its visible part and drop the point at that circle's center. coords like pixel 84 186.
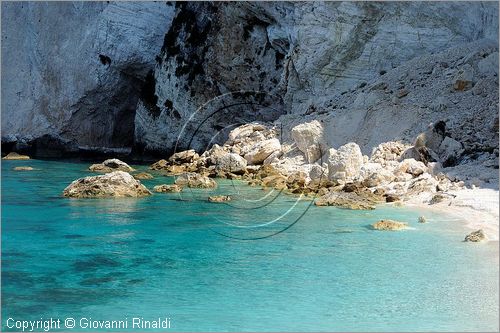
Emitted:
pixel 413 167
pixel 449 150
pixel 344 162
pixel 231 163
pixel 309 138
pixel 261 150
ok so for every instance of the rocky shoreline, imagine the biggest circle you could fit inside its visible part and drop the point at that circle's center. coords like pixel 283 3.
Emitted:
pixel 396 172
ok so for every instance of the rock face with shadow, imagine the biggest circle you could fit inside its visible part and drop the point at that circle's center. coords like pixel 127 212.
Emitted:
pixel 217 69
pixel 170 77
pixel 72 72
pixel 304 57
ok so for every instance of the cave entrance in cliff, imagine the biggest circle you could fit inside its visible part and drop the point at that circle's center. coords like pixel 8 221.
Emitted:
pixel 212 122
pixel 105 117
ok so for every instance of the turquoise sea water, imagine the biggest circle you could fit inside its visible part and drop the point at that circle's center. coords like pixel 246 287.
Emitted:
pixel 164 256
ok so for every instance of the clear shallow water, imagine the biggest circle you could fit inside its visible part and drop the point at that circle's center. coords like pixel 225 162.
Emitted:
pixel 111 259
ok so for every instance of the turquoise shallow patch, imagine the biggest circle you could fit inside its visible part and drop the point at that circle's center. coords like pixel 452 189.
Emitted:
pixel 164 256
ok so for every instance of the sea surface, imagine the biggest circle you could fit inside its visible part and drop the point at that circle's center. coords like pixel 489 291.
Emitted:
pixel 262 262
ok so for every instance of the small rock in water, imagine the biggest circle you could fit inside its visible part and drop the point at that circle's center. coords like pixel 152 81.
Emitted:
pixel 389 225
pixel 143 175
pixel 349 200
pixel 422 219
pixel 476 236
pixel 219 198
pixel 23 168
pixel 15 156
pixel 164 188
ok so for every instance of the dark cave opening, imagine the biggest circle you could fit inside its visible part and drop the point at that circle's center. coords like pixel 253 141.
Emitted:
pixel 148 94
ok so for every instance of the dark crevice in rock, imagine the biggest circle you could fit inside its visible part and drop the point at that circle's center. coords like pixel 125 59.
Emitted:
pixel 189 51
pixel 148 95
pixel 105 60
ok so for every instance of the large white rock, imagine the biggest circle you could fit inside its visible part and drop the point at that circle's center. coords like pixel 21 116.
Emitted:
pixel 231 163
pixel 450 150
pixel 309 139
pixel 244 131
pixel 113 184
pixel 413 167
pixel 261 150
pixel 346 161
pixel 374 174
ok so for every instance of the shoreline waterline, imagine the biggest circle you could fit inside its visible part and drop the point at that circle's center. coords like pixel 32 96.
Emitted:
pixel 473 207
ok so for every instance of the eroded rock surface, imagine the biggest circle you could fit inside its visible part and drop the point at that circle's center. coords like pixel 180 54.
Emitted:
pixel 113 184
pixel 111 165
pixel 195 180
pixel 164 188
pixel 389 225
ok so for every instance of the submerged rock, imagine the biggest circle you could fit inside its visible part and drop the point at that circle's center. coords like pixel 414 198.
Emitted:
pixel 476 236
pixel 390 225
pixel 23 168
pixel 164 188
pixel 143 175
pixel 195 180
pixel 422 219
pixel 349 200
pixel 114 184
pixel 111 165
pixel 219 198
pixel 15 156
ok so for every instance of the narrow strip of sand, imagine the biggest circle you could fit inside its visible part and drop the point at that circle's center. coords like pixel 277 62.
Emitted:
pixel 478 208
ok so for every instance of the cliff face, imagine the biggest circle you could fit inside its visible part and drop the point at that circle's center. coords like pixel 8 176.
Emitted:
pixel 72 72
pixel 211 50
pixel 163 77
pixel 301 55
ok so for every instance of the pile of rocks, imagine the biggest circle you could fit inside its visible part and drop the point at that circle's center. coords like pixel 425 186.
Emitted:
pixel 340 176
